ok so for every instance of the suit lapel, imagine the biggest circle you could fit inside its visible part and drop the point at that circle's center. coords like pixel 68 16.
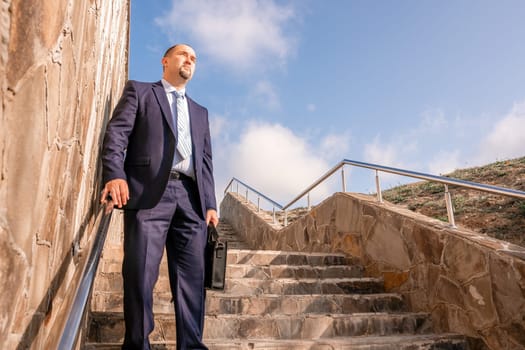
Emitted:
pixel 196 125
pixel 162 99
pixel 195 121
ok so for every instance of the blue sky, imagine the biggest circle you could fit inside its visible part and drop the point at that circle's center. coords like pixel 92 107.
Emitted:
pixel 293 87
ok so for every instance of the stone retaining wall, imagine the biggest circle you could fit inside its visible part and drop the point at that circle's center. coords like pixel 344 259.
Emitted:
pixel 63 64
pixel 471 284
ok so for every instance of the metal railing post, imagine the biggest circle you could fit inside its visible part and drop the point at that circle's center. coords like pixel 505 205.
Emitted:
pixel 273 215
pixel 309 203
pixel 343 178
pixel 450 209
pixel 285 218
pixel 378 188
pixel 258 203
pixel 247 196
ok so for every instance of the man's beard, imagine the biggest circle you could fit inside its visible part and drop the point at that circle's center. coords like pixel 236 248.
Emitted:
pixel 185 73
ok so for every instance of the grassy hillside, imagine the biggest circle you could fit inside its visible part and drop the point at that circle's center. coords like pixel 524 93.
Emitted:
pixel 497 216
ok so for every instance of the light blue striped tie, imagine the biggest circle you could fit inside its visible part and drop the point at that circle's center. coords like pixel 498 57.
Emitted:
pixel 183 128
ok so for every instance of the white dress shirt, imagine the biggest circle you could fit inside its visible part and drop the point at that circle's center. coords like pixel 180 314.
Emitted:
pixel 184 166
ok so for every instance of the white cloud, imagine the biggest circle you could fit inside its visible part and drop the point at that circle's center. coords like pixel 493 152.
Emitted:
pixel 241 34
pixel 386 154
pixel 277 160
pixel 218 125
pixel 281 163
pixel 507 138
pixel 311 107
pixel 265 93
pixel 433 121
pixel 444 162
pixel 438 145
pixel 383 153
pixel 431 146
pixel 271 159
pixel 336 145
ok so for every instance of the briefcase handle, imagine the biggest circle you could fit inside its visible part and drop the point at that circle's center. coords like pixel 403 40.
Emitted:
pixel 213 235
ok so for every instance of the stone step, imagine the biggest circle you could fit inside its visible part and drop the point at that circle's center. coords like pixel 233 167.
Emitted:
pixel 286 286
pixel 258 271
pixel 412 342
pixel 294 271
pixel 396 342
pixel 112 261
pixel 279 257
pixel 219 303
pixel 276 300
pixel 228 234
pixel 269 278
pixel 109 328
pixel 223 303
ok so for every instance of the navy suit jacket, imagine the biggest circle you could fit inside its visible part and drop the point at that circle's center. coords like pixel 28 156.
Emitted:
pixel 140 142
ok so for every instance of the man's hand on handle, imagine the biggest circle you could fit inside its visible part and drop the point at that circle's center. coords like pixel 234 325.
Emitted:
pixel 115 193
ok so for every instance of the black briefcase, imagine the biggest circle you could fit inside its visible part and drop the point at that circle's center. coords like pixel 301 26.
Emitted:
pixel 215 264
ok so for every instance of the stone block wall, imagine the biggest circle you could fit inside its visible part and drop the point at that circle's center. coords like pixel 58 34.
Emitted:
pixel 63 64
pixel 470 283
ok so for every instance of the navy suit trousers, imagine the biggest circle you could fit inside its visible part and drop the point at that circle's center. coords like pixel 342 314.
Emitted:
pixel 175 225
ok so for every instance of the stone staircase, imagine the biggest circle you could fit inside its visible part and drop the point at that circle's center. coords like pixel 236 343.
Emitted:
pixel 276 300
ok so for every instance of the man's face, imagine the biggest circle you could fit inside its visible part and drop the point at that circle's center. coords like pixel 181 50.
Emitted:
pixel 180 62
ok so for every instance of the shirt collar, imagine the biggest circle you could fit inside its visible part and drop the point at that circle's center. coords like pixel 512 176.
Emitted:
pixel 170 88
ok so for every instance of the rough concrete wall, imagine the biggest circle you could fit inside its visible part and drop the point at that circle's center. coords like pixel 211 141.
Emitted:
pixel 62 66
pixel 470 283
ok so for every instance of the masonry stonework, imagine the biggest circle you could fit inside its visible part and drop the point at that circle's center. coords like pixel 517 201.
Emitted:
pixel 470 283
pixel 62 66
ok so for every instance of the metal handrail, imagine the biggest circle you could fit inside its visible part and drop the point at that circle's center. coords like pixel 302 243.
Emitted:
pixel 258 193
pixel 315 184
pixel 442 179
pixel 414 174
pixel 271 201
pixel 76 314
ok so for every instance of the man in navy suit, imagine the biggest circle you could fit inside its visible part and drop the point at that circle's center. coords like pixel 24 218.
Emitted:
pixel 157 166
